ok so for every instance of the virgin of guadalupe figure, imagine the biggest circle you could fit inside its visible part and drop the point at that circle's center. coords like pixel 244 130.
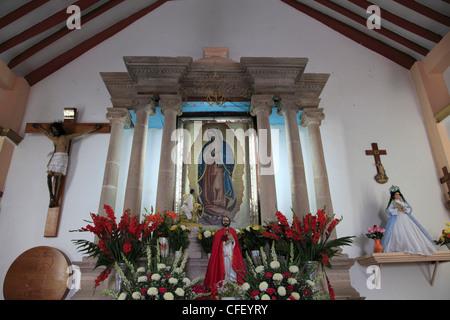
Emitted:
pixel 215 171
pixel 403 232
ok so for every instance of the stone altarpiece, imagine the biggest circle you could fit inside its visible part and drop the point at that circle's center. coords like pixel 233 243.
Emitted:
pixel 266 83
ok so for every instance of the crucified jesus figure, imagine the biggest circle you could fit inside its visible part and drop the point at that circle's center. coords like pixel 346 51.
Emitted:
pixel 57 166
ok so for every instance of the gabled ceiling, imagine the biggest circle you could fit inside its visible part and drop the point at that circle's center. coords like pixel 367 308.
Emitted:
pixel 35 40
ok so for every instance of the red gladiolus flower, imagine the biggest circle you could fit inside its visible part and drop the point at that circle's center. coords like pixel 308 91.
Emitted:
pixel 316 237
pixel 143 291
pixel 290 288
pixel 270 290
pixel 127 247
pixel 306 292
pixel 268 275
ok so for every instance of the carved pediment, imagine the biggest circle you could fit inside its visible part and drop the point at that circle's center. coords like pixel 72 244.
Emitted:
pixel 215 72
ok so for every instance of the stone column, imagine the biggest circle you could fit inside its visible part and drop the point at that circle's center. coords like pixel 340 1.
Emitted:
pixel 312 118
pixel 143 107
pixel 119 118
pixel 171 107
pixel 261 107
pixel 289 107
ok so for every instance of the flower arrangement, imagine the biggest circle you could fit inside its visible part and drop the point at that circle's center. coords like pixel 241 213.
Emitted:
pixel 161 222
pixel 116 241
pixel 310 236
pixel 159 279
pixel 205 237
pixel 178 237
pixel 280 279
pixel 252 237
pixel 445 236
pixel 375 232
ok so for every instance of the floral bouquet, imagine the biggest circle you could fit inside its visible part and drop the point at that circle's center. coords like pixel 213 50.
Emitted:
pixel 161 222
pixel 375 232
pixel 280 279
pixel 252 237
pixel 205 237
pixel 116 242
pixel 310 236
pixel 178 237
pixel 160 279
pixel 445 236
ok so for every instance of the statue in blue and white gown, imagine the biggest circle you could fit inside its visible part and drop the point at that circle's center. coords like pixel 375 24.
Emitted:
pixel 403 232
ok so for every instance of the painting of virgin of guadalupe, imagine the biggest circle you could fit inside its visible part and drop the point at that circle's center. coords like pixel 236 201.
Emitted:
pixel 215 172
pixel 221 170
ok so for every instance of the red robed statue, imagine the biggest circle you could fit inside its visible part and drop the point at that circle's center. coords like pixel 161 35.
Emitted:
pixel 226 260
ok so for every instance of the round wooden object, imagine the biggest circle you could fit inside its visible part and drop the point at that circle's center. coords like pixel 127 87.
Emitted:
pixel 40 273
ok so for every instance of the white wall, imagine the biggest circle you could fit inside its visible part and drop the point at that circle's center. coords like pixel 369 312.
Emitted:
pixel 367 99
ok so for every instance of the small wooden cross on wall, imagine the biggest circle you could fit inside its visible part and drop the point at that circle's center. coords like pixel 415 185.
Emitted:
pixel 62 143
pixel 381 176
pixel 446 179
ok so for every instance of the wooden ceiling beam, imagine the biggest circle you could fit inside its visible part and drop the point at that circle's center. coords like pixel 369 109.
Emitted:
pixel 383 31
pixel 426 11
pixel 402 23
pixel 45 70
pixel 20 12
pixel 61 33
pixel 44 25
pixel 375 45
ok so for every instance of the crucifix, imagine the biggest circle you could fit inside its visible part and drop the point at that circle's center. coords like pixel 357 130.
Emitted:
pixel 61 134
pixel 381 176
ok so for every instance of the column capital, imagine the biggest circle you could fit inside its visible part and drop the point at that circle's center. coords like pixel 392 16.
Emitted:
pixel 261 102
pixel 119 115
pixel 145 103
pixel 311 116
pixel 171 102
pixel 288 103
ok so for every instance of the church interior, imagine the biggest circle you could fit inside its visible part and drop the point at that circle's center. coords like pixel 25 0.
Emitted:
pixel 321 105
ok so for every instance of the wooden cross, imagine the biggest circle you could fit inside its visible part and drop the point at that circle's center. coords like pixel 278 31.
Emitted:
pixel 71 127
pixel 445 178
pixel 375 152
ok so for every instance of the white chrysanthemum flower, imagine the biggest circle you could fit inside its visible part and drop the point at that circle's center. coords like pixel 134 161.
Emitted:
pixel 281 291
pixel 293 269
pixel 161 266
pixel 122 296
pixel 156 277
pixel 168 296
pixel 274 264
pixel 207 234
pixel 310 283
pixel 277 277
pixel 142 279
pixel 259 269
pixel 173 280
pixel 186 281
pixel 265 297
pixel 245 286
pixel 152 291
pixel 295 295
pixel 140 269
pixel 183 227
pixel 179 292
pixel 136 295
pixel 292 281
pixel 263 286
